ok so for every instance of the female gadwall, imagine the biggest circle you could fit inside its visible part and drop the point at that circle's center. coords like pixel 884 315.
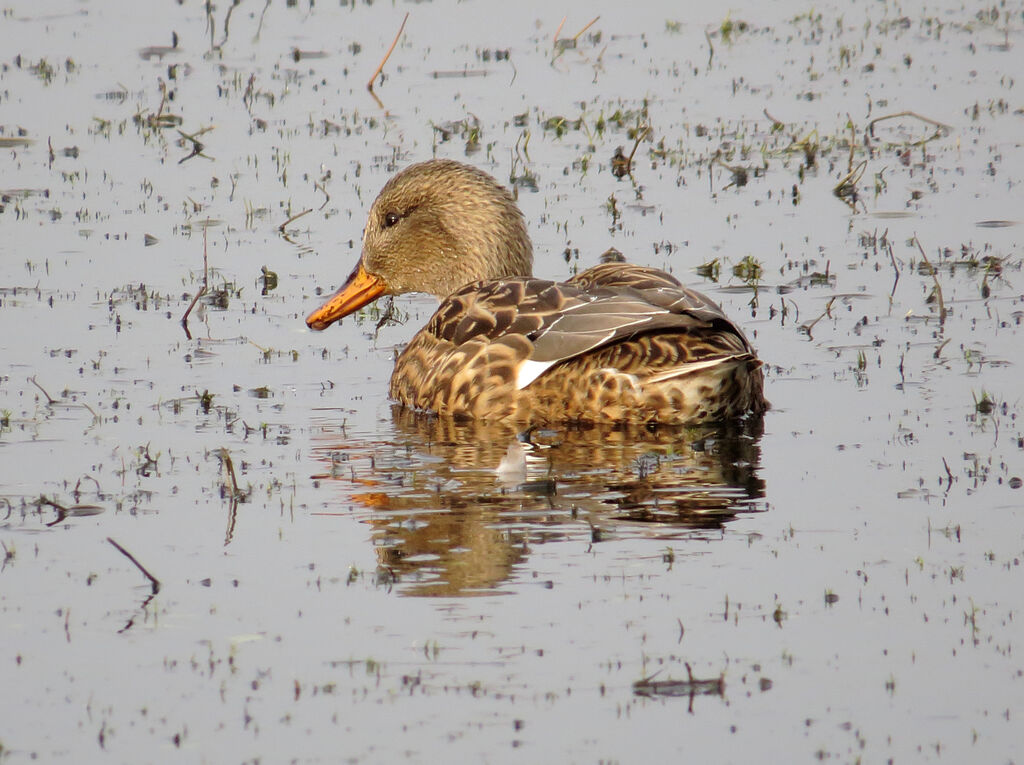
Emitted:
pixel 616 343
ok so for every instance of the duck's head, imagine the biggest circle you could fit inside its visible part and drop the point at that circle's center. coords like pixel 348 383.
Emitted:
pixel 434 227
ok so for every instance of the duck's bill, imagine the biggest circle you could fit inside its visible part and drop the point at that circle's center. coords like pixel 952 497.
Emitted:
pixel 360 288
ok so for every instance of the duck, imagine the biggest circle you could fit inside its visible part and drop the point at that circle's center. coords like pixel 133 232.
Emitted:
pixel 616 343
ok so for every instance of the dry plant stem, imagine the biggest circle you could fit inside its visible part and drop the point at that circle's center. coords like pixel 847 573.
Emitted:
pixel 774 121
pixel 895 267
pixel 892 256
pixel 259 28
pixel 62 512
pixel 194 137
pixel 230 466
pixel 848 183
pixel 580 33
pixel 152 579
pixel 229 533
pixel 78 483
pixel 636 145
pixel 49 399
pixel 561 24
pixel 197 146
pixel 941 127
pixel 935 277
pixel 163 99
pixel 202 290
pixel 828 308
pixel 295 217
pixel 264 351
pixel 380 67
pixel 327 197
pixel 853 139
pixel 227 21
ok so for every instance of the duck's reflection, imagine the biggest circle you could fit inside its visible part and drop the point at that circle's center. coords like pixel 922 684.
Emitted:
pixel 454 505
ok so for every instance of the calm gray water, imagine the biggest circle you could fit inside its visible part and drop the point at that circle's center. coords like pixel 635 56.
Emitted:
pixel 844 586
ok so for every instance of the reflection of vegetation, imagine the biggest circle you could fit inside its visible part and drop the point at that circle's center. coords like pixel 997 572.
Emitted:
pixel 560 125
pixel 467 129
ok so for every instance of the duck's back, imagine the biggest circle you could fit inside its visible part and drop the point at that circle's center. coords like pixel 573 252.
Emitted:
pixel 615 343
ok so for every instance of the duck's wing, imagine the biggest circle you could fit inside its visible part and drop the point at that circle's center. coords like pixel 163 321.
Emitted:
pixel 466 360
pixel 597 308
pixel 657 287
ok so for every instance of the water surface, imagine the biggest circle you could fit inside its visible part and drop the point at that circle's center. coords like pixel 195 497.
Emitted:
pixel 343 581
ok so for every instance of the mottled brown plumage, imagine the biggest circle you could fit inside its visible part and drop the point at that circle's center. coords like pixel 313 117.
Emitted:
pixel 617 342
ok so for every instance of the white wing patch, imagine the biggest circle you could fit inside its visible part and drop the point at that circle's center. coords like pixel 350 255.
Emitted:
pixel 530 370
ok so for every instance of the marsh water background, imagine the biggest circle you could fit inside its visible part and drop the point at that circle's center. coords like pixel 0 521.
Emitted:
pixel 841 582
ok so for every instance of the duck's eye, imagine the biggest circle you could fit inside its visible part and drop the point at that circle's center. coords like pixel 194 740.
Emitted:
pixel 391 218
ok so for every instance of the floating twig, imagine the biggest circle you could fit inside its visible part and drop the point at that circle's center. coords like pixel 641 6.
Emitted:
pixel 62 512
pixel 691 687
pixel 949 474
pixel 197 146
pixel 202 290
pixel 295 217
pixel 380 67
pixel 810 325
pixel 154 582
pixel 935 277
